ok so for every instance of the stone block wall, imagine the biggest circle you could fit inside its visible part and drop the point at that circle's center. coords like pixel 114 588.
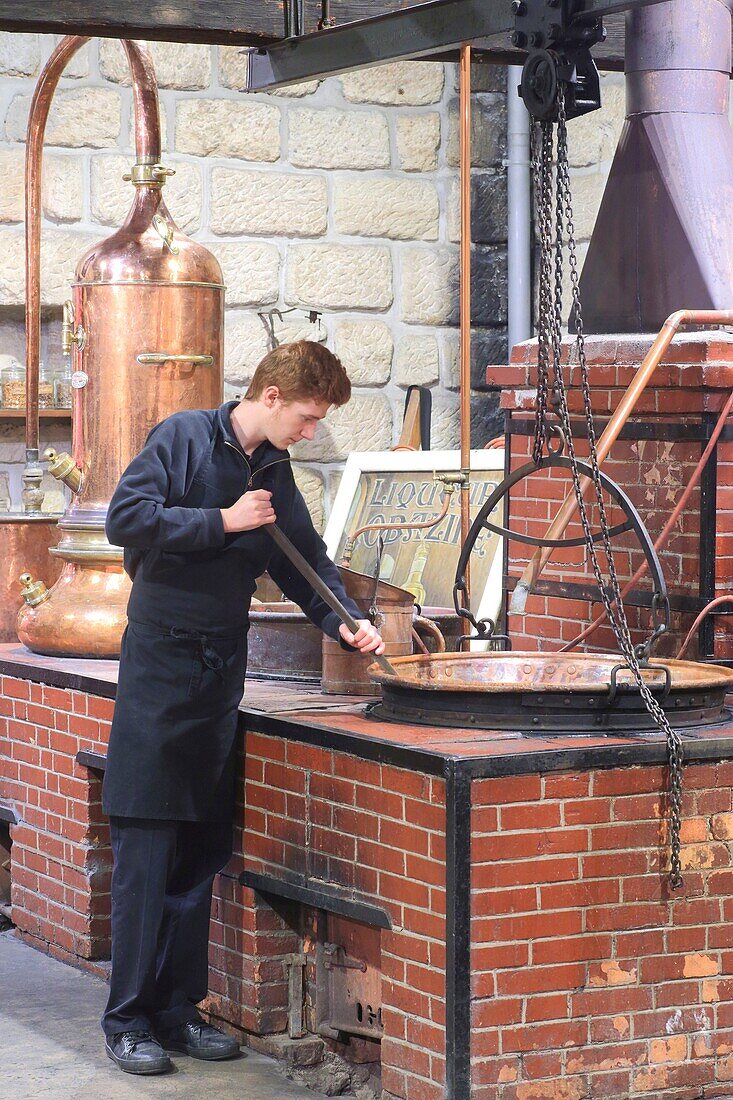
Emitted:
pixel 338 196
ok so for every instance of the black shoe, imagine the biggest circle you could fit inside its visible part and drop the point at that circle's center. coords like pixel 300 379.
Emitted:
pixel 200 1040
pixel 137 1052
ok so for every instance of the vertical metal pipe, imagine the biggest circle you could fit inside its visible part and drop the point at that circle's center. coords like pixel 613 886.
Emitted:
pixel 519 213
pixel 465 291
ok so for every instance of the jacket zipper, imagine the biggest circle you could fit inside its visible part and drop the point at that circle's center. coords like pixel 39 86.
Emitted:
pixel 259 470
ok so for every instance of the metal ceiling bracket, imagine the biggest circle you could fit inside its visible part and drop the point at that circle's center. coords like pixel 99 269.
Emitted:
pixel 434 30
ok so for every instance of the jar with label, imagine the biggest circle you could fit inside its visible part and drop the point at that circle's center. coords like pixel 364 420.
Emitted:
pixel 12 381
pixel 62 389
pixel 45 388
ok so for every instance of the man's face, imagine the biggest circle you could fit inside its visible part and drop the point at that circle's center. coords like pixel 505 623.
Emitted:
pixel 291 421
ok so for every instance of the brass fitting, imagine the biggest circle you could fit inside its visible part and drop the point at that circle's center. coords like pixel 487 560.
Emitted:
pixel 150 175
pixel 69 334
pixel 451 480
pixel 34 592
pixel 63 467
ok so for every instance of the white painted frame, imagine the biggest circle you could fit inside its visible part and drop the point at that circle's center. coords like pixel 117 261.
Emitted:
pixel 428 462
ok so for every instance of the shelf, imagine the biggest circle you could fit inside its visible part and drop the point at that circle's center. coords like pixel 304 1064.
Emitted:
pixel 44 414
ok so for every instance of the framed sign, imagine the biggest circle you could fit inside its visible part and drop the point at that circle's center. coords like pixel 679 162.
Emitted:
pixel 399 488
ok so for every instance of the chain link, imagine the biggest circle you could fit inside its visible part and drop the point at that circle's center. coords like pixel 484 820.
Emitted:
pixel 550 344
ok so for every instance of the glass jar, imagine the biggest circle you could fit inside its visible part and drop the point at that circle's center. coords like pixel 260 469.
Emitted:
pixel 62 389
pixel 12 380
pixel 45 388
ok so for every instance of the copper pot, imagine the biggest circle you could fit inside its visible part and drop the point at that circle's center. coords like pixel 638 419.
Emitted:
pixel 345 673
pixel 283 644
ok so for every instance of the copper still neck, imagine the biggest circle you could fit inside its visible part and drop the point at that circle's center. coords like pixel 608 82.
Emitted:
pixel 147 148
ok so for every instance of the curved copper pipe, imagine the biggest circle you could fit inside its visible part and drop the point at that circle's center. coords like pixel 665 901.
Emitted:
pixel 662 538
pixel 147 148
pixel 346 557
pixel 703 614
pixel 611 433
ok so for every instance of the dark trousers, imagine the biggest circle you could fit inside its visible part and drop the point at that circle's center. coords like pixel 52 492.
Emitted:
pixel 161 904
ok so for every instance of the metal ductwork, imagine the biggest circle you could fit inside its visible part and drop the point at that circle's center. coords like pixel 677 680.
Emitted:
pixel 663 238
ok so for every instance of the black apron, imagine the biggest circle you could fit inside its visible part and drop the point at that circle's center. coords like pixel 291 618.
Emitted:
pixel 172 748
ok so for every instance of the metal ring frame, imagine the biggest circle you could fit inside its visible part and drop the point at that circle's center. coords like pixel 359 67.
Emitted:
pixel 634 522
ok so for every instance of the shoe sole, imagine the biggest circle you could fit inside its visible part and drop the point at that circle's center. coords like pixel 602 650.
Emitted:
pixel 148 1070
pixel 203 1055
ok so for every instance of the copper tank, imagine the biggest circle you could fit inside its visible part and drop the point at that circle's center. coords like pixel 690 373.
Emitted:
pixel 145 329
pixel 25 540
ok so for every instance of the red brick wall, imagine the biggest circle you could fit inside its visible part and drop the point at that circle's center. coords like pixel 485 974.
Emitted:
pixel 379 831
pixel 61 863
pixel 693 379
pixel 589 977
pixel 374 829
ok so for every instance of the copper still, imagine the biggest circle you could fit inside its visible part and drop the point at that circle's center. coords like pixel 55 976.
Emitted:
pixel 145 329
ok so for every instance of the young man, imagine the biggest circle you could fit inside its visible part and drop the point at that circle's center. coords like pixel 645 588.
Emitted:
pixel 190 512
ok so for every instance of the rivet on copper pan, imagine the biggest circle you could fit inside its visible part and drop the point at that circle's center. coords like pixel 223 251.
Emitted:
pixel 527 668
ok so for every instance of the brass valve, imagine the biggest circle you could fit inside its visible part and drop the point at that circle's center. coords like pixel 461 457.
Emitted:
pixel 63 467
pixel 69 334
pixel 151 175
pixel 34 592
pixel 451 481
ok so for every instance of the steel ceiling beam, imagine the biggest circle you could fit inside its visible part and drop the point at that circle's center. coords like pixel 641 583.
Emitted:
pixel 425 30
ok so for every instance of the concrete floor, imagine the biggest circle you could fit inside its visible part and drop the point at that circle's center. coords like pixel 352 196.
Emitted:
pixel 51 1045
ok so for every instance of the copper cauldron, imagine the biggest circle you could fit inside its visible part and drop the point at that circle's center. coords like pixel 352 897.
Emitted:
pixel 538 692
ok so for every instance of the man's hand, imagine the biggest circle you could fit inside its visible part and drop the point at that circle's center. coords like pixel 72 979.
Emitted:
pixel 367 638
pixel 252 510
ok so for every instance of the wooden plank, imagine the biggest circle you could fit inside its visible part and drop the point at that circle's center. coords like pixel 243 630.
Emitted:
pixel 229 22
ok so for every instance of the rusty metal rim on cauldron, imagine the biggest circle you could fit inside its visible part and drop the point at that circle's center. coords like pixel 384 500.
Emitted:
pixel 538 692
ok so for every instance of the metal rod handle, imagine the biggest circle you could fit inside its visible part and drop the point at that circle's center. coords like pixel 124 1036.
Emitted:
pixel 155 358
pixel 295 556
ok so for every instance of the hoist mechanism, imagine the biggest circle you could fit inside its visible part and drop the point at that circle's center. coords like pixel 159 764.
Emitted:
pixel 559 35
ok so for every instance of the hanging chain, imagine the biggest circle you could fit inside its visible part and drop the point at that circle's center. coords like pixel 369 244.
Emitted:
pixel 550 343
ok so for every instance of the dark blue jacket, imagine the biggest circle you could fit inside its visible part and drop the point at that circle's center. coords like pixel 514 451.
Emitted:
pixel 165 512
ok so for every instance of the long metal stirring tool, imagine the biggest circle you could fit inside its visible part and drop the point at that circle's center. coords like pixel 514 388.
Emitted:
pixel 295 556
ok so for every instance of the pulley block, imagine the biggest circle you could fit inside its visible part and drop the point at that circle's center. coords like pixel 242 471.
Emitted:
pixel 558 37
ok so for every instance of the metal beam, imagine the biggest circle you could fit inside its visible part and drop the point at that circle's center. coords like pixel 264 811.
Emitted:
pixel 422 31
pixel 435 29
